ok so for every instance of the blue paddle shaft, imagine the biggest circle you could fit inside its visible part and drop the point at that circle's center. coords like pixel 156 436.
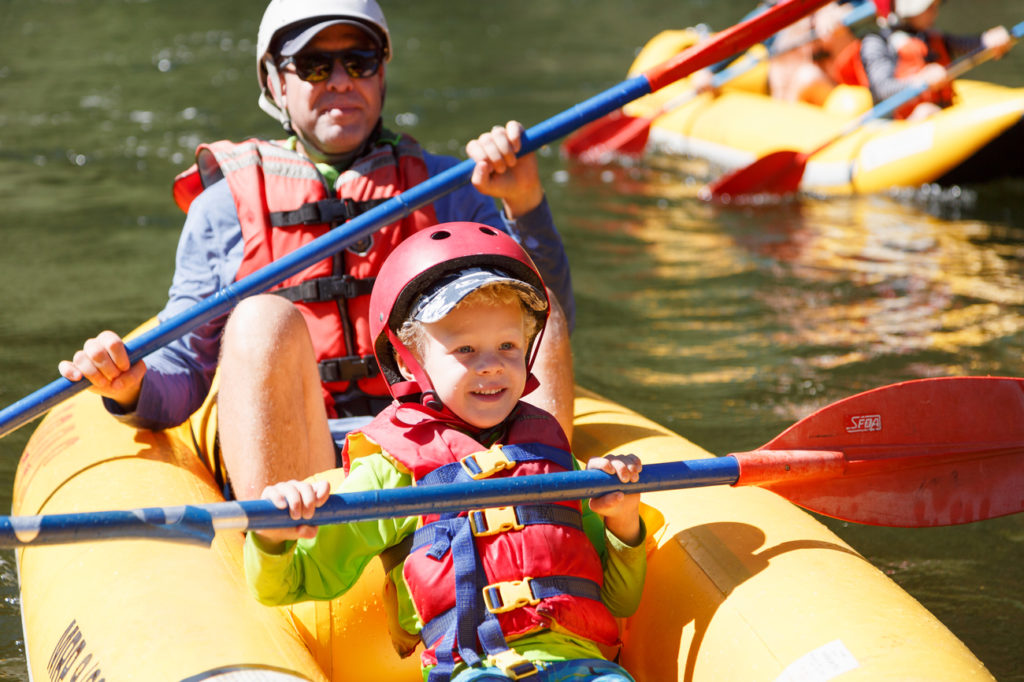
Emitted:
pixel 196 524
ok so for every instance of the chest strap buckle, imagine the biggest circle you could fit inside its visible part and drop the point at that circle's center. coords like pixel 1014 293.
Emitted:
pixel 513 664
pixel 486 463
pixel 509 595
pixel 493 521
pixel 331 288
pixel 331 210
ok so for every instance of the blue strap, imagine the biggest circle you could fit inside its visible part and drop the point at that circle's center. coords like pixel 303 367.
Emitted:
pixel 553 585
pixel 529 515
pixel 492 639
pixel 438 534
pixel 447 473
pixel 435 628
pixel 468 599
pixel 534 452
pixel 526 452
pixel 442 672
pixel 550 586
pixel 460 634
pixel 542 588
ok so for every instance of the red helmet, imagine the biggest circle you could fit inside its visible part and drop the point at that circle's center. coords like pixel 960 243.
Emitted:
pixel 417 264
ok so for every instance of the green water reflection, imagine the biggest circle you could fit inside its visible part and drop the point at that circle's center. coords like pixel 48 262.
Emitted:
pixel 726 325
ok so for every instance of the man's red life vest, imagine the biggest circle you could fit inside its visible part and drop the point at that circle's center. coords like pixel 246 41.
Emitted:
pixel 914 51
pixel 536 554
pixel 283 203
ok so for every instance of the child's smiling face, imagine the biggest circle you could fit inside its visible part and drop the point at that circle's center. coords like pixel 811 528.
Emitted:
pixel 476 360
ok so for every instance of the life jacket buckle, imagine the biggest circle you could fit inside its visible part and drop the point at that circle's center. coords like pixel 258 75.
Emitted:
pixel 513 664
pixel 332 210
pixel 332 288
pixel 348 368
pixel 493 521
pixel 508 595
pixel 309 214
pixel 486 463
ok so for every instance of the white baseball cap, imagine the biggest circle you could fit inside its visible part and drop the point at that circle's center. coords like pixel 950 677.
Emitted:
pixel 289 24
pixel 908 9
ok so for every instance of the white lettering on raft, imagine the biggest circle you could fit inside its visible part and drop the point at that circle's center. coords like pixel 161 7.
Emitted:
pixel 824 663
pixel 865 422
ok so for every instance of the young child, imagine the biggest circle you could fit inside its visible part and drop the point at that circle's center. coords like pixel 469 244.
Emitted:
pixel 911 50
pixel 529 592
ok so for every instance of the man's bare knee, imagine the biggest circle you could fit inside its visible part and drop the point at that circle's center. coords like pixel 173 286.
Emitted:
pixel 264 325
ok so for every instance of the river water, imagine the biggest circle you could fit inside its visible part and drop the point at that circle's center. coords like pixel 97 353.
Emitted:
pixel 725 324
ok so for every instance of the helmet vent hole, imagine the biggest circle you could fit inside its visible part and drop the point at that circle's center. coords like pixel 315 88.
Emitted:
pixel 487 230
pixel 441 234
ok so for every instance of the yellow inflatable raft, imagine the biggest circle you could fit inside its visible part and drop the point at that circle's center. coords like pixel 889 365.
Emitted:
pixel 742 586
pixel 967 142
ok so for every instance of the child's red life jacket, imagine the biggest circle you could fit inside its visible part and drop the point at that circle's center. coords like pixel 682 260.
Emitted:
pixel 914 51
pixel 283 203
pixel 479 577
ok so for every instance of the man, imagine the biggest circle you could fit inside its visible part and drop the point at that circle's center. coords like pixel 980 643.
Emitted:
pixel 295 369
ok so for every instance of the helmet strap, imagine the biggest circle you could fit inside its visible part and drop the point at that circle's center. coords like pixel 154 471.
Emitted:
pixel 532 384
pixel 276 94
pixel 419 387
pixel 531 355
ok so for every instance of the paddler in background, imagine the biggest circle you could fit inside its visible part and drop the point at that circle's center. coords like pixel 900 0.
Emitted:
pixel 295 368
pixel 808 71
pixel 810 57
pixel 910 50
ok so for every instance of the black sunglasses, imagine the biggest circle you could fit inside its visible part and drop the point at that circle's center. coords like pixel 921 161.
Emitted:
pixel 316 67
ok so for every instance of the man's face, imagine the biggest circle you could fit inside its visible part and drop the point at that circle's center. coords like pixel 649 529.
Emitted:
pixel 926 19
pixel 335 115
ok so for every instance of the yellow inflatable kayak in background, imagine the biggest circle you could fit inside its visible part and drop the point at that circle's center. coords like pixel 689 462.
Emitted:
pixel 966 142
pixel 742 585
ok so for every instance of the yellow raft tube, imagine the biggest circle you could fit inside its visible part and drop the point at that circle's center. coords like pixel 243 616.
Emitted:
pixel 975 140
pixel 742 586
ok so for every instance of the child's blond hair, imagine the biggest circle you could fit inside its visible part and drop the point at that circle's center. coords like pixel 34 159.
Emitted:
pixel 494 294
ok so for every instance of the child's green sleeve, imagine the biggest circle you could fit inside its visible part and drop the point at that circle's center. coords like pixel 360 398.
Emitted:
pixel 329 564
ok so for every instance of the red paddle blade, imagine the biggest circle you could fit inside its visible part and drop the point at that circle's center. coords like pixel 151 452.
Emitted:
pixel 615 133
pixel 777 173
pixel 932 452
pixel 630 139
